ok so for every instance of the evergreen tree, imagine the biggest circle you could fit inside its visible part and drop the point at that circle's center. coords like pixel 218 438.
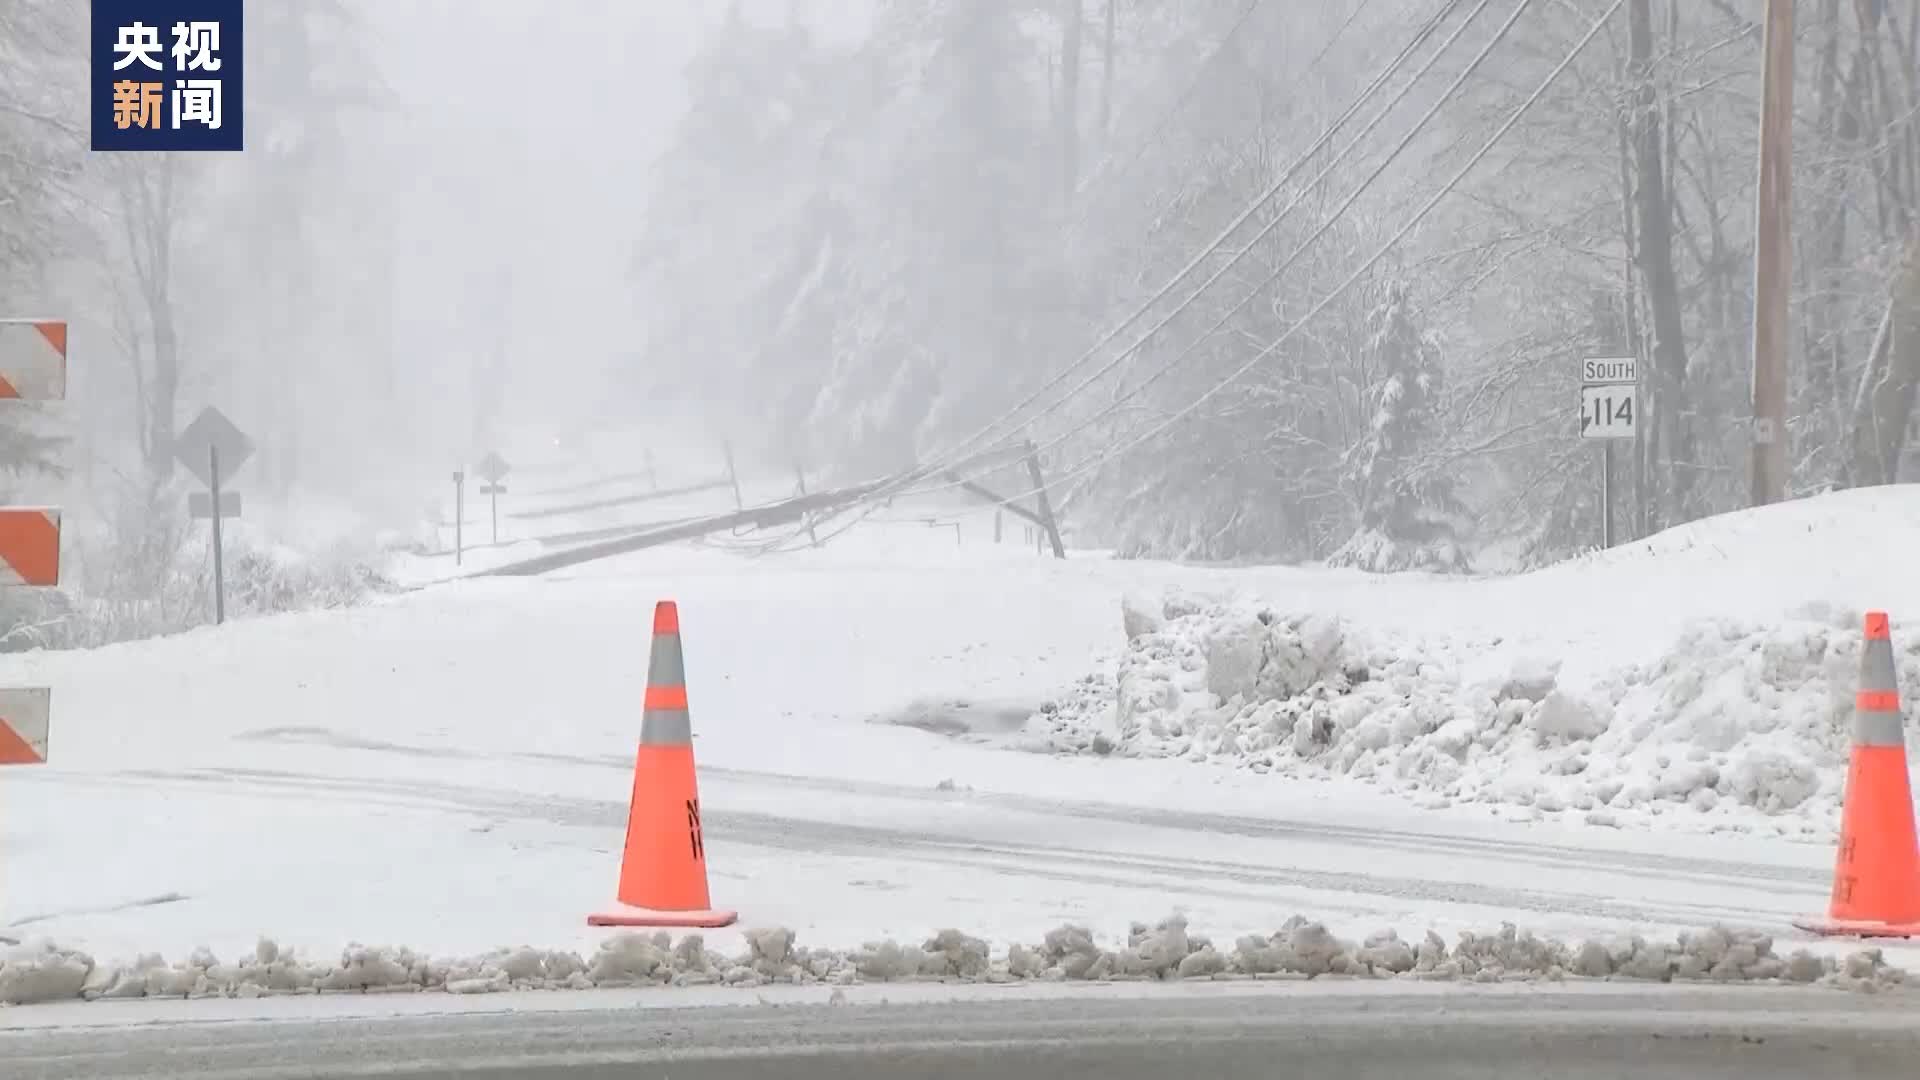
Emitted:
pixel 1410 518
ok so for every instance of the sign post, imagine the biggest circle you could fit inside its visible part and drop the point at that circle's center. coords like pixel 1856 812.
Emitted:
pixel 210 446
pixel 1609 392
pixel 493 469
pixel 219 566
pixel 459 513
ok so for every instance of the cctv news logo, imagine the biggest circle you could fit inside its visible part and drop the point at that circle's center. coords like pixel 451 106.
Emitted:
pixel 167 75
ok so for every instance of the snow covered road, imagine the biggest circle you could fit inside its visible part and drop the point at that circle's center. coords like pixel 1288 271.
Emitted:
pixel 1268 861
pixel 448 770
pixel 840 861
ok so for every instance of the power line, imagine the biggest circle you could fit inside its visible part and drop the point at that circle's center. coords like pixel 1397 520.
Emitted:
pixel 1096 460
pixel 1347 204
pixel 1312 65
pixel 1220 241
pixel 907 479
pixel 1105 166
pixel 948 459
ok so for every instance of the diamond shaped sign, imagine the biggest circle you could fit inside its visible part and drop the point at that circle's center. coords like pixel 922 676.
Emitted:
pixel 212 432
pixel 493 468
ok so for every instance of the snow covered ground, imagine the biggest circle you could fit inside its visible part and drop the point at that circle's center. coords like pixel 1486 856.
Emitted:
pixel 447 769
pixel 1702 679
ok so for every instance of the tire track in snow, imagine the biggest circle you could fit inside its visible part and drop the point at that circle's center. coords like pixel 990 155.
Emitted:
pixel 143 902
pixel 1704 871
pixel 1548 856
pixel 1181 877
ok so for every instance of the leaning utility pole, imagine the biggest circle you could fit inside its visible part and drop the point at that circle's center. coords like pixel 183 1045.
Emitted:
pixel 1773 259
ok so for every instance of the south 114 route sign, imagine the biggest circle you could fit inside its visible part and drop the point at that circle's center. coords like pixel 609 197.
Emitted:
pixel 1609 398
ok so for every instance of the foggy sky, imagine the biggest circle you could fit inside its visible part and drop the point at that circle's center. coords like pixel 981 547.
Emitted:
pixel 533 136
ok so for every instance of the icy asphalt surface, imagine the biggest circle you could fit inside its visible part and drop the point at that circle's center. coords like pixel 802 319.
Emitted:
pixel 1535 1034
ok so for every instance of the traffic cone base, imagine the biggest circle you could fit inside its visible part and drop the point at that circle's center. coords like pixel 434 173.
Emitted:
pixel 622 915
pixel 663 865
pixel 1835 928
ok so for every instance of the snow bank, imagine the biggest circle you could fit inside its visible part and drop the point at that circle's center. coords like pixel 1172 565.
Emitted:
pixel 1166 951
pixel 1733 720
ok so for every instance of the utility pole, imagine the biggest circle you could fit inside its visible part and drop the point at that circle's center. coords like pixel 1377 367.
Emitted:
pixel 1106 80
pixel 1773 259
pixel 1073 22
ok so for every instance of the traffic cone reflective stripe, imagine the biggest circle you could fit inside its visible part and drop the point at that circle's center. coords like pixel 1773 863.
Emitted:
pixel 1876 877
pixel 663 867
pixel 664 719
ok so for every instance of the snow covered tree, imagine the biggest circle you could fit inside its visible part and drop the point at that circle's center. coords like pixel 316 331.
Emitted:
pixel 153 196
pixel 1254 471
pixel 952 279
pixel 1410 518
pixel 861 236
pixel 875 240
pixel 744 238
pixel 304 204
pixel 40 155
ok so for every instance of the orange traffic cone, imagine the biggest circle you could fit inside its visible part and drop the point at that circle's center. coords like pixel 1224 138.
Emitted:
pixel 1876 880
pixel 663 871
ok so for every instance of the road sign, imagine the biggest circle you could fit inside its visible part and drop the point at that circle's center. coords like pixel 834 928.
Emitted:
pixel 33 359
pixel 212 448
pixel 209 433
pixel 33 367
pixel 1607 412
pixel 200 504
pixel 29 546
pixel 1609 409
pixel 1609 371
pixel 493 468
pixel 23 726
pixel 1608 397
